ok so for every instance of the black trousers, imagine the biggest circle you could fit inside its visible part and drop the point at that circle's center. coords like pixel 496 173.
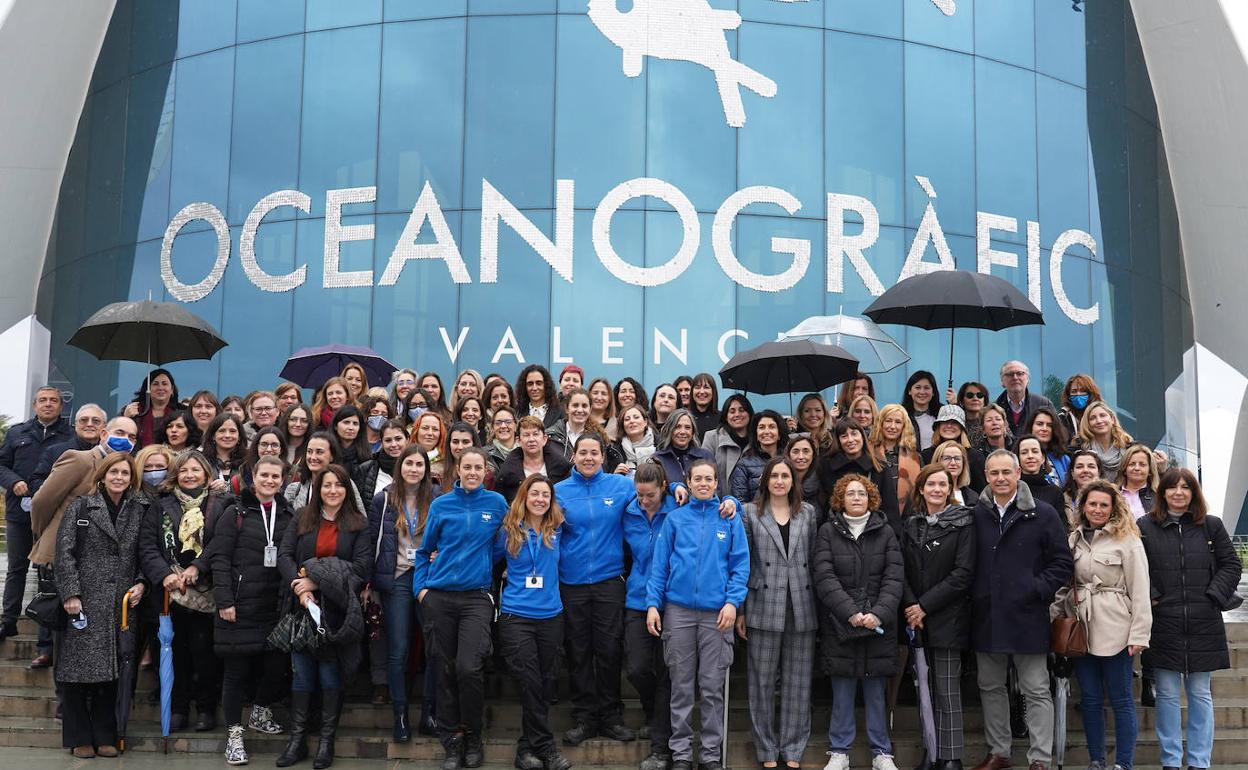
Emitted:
pixel 647 672
pixel 457 635
pixel 20 540
pixel 89 714
pixel 530 648
pixel 196 668
pixel 594 629
pixel 267 668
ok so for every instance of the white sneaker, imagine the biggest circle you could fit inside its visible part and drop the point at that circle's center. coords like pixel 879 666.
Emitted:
pixel 883 762
pixel 262 721
pixel 235 754
pixel 837 761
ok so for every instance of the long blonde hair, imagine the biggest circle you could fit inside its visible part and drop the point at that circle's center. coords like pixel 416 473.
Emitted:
pixel 1121 523
pixel 1118 437
pixel 905 443
pixel 514 521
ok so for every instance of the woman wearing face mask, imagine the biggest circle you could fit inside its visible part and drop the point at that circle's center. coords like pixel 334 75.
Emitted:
pixel 174 553
pixel 178 431
pixel 156 397
pixel 1109 593
pixel 678 445
pixel 398 515
pixel 629 392
pixel 295 424
pixel 332 396
pixel 938 548
pixel 859 577
pixel 665 401
pixel 602 407
pixel 768 437
pixel 225 450
pixel 637 440
pixel 1193 572
pixel 376 414
pixel 153 462
pixel 1035 468
pixel 97 568
pixel 1139 479
pixel 952 456
pixel 643 653
pixel 1100 431
pixel 456 605
pixel 921 405
pixel 203 406
pixel 468 410
pixel 698 575
pixel 530 620
pixel 802 455
pixel 812 418
pixel 249 592
pixel 325 557
pixel 779 618
pixel 729 440
pixel 414 405
pixel 1043 423
pixel 1085 466
pixel 535 395
pixel 1078 394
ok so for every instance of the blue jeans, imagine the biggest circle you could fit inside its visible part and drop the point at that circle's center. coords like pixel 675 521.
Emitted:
pixel 399 610
pixel 312 674
pixel 1170 718
pixel 1108 678
pixel 841 728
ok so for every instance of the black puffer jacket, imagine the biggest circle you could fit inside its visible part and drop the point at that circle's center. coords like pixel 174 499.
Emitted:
pixel 852 576
pixel 240 579
pixel 940 564
pixel 1044 491
pixel 1194 571
pixel 831 468
pixel 511 474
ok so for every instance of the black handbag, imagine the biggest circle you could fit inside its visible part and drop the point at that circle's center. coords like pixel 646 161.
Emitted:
pixel 296 632
pixel 46 607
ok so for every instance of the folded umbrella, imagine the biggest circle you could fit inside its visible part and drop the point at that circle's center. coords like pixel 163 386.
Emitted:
pixel 126 643
pixel 311 367
pixel 923 686
pixel 164 634
pixel 1061 696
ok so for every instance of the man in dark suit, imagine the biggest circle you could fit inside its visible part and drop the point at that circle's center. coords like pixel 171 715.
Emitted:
pixel 1018 402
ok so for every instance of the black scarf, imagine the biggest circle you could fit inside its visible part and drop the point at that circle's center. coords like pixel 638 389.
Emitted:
pixel 386 463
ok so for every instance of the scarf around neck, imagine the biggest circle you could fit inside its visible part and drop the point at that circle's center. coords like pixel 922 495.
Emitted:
pixel 191 528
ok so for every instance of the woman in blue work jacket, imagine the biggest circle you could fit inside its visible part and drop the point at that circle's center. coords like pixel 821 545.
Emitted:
pixel 699 571
pixel 530 621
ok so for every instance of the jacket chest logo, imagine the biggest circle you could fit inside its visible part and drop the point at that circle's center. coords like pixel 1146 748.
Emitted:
pixel 608 501
pixel 487 517
pixel 722 535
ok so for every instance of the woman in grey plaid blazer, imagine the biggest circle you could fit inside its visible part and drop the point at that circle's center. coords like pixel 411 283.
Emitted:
pixel 779 618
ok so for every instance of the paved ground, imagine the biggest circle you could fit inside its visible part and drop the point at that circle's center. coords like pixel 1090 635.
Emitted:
pixel 48 759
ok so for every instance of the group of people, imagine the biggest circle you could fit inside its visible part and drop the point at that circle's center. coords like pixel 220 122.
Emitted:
pixel 634 534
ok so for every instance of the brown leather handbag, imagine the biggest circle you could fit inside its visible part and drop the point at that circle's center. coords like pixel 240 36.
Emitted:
pixel 1068 636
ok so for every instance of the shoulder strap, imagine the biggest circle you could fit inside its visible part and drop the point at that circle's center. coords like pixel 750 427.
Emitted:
pixel 381 526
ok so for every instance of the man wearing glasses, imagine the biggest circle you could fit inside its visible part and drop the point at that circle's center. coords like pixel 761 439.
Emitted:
pixel 1017 401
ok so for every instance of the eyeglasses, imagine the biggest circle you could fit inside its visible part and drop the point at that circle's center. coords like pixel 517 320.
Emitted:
pixel 263 409
pixel 1016 374
pixel 974 394
pixel 405 382
pixel 506 421
pixel 90 421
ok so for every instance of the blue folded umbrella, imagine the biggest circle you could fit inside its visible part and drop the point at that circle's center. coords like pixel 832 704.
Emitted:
pixel 165 635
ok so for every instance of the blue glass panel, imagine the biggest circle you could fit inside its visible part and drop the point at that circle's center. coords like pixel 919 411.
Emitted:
pixel 421 66
pixel 69 226
pixel 264 157
pixel 940 135
pixel 340 97
pixel 926 23
pixel 145 206
pixel 398 10
pixel 874 17
pixel 113 62
pixel 201 130
pixel 1108 180
pixel 258 324
pixel 1112 333
pixel 260 19
pixel 510 110
pixel 801 14
pixel 205 25
pixel 347 319
pixel 1067 345
pixel 497 7
pixel 331 14
pixel 781 143
pixel 1142 159
pixel 154 33
pixel 1007 31
pixel 1005 144
pixel 863 122
pixel 600 118
pixel 104 167
pixel 1061 156
pixel 1060 42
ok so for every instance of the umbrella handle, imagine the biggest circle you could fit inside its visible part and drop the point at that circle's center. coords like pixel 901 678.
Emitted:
pixel 125 612
pixel 166 606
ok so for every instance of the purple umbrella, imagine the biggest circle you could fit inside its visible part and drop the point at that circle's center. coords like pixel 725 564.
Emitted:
pixel 311 367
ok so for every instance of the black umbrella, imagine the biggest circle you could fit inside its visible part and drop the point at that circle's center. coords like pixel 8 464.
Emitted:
pixel 954 299
pixel 148 332
pixel 787 367
pixel 311 367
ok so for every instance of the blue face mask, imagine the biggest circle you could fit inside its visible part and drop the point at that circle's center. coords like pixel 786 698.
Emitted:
pixel 1080 401
pixel 119 444
pixel 154 478
pixel 377 421
pixel 416 411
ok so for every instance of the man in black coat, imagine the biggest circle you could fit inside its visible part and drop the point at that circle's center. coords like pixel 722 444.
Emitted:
pixel 1018 402
pixel 1022 558
pixel 18 458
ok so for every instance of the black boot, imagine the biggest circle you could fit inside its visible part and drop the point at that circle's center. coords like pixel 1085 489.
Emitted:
pixel 296 748
pixel 474 752
pixel 454 745
pixel 402 727
pixel 1148 691
pixel 331 707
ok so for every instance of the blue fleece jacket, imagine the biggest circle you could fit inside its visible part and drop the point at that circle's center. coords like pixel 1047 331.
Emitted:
pixel 700 561
pixel 640 532
pixel 593 531
pixel 535 560
pixel 461 528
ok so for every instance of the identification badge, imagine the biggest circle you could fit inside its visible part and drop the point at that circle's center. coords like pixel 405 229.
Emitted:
pixel 270 556
pixel 410 555
pixel 533 581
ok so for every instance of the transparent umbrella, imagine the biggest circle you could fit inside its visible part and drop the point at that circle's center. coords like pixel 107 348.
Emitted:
pixel 875 350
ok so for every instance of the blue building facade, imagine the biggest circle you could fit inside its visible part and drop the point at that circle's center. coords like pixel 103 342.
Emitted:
pixel 641 187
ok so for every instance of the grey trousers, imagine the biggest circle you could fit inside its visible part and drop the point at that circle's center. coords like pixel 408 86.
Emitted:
pixel 1033 680
pixel 946 678
pixel 698 656
pixel 791 654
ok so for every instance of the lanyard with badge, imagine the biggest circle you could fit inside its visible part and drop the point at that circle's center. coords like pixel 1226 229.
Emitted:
pixel 533 580
pixel 410 552
pixel 269 523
